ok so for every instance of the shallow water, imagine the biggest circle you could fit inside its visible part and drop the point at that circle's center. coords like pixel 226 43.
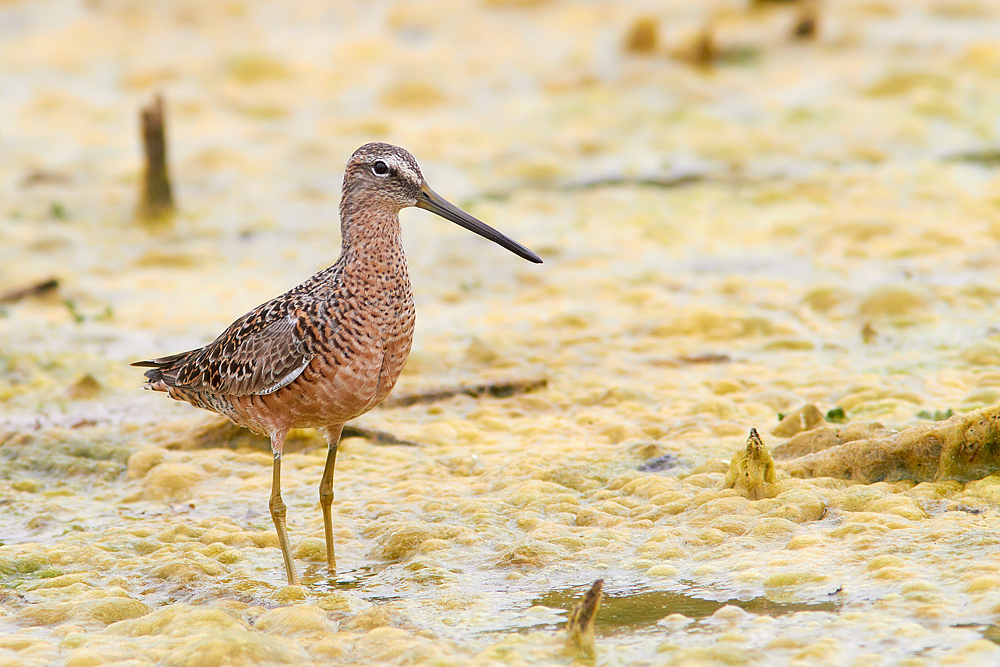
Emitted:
pixel 633 609
pixel 721 247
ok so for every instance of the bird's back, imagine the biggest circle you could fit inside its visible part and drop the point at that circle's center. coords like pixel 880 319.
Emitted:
pixel 320 354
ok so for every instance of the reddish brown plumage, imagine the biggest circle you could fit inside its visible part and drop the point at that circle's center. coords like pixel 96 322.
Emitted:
pixel 332 348
pixel 320 354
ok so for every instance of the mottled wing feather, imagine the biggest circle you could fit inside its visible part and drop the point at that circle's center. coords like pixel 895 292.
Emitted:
pixel 259 353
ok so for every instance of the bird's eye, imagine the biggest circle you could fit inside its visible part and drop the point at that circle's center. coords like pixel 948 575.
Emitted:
pixel 380 168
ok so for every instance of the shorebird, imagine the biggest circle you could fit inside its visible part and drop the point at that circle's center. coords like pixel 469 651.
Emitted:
pixel 332 348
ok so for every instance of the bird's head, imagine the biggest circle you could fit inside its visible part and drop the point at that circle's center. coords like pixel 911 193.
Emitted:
pixel 386 176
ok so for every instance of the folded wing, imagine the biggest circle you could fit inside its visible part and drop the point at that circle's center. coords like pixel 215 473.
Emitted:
pixel 259 353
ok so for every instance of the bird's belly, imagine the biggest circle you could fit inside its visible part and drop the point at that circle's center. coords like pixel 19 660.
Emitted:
pixel 396 351
pixel 334 388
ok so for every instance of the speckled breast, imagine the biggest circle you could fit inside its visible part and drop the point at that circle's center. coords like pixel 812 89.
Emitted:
pixel 357 369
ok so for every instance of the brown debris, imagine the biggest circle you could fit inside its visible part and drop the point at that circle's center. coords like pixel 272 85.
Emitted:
pixel 580 623
pixel 807 24
pixel 751 472
pixel 498 389
pixel 157 199
pixel 704 51
pixel 705 48
pixel 642 36
pixel 963 448
pixel 699 49
pixel 37 289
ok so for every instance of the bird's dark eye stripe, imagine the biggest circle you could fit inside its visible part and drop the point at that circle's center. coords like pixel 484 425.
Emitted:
pixel 380 168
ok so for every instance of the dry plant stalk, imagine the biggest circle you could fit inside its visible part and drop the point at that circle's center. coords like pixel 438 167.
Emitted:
pixel 751 471
pixel 580 623
pixel 156 200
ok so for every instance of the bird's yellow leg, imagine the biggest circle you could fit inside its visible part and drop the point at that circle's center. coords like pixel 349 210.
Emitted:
pixel 326 493
pixel 277 507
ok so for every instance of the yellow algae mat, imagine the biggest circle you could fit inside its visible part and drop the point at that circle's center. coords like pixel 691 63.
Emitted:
pixel 778 216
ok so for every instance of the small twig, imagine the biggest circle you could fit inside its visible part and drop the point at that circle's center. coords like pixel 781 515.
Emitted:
pixel 499 389
pixel 376 437
pixel 580 622
pixel 157 199
pixel 37 289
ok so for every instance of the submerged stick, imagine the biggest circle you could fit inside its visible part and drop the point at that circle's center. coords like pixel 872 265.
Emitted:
pixel 37 289
pixel 377 437
pixel 580 623
pixel 498 389
pixel 156 199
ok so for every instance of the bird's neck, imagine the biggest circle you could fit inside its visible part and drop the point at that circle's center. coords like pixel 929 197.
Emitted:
pixel 372 242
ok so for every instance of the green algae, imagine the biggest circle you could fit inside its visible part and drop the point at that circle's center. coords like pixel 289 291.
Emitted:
pixel 61 453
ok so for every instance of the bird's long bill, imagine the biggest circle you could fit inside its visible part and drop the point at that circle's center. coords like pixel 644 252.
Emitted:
pixel 435 203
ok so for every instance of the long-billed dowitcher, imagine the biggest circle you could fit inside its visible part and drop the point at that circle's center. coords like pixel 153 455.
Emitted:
pixel 332 348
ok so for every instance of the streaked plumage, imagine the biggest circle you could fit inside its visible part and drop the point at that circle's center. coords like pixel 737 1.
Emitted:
pixel 332 348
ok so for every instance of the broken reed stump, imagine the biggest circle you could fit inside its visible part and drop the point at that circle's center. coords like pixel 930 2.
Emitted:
pixel 156 200
pixel 751 472
pixel 806 25
pixel 580 623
